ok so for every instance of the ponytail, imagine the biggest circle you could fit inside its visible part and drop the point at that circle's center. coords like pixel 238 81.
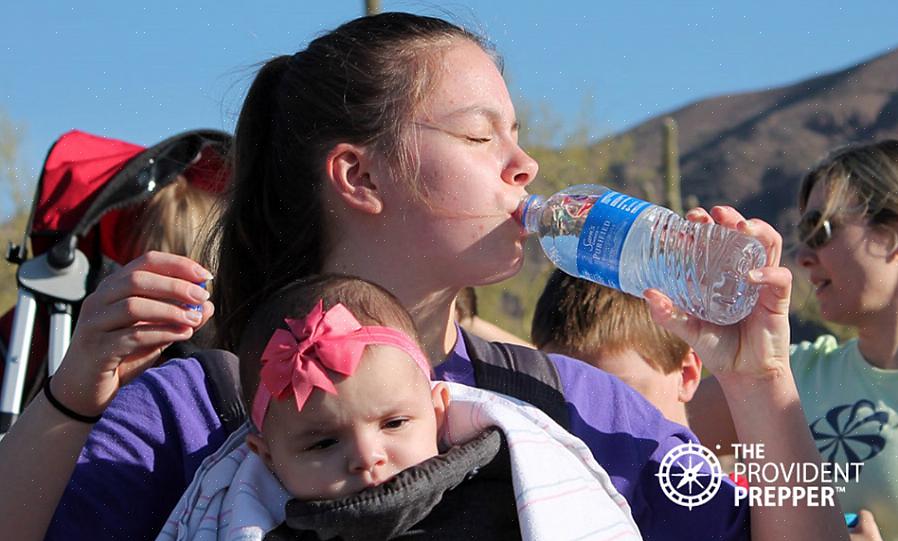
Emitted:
pixel 270 231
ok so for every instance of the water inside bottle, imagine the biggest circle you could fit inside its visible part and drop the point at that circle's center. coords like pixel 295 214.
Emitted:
pixel 702 267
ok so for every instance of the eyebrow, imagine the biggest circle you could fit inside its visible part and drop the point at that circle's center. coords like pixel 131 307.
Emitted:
pixel 310 433
pixel 488 112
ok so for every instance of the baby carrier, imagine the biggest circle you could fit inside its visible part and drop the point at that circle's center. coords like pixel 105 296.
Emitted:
pixel 521 372
pixel 484 503
pixel 90 192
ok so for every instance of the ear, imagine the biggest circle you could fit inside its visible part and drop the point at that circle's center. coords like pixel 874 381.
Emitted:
pixel 893 246
pixel 690 376
pixel 348 168
pixel 440 396
pixel 259 446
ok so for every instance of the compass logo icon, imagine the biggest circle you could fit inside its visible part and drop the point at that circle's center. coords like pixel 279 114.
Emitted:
pixel 690 475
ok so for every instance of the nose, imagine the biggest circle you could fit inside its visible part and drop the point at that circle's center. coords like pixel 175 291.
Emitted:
pixel 521 168
pixel 367 455
pixel 805 256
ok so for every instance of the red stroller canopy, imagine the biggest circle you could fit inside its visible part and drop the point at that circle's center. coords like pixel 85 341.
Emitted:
pixel 80 165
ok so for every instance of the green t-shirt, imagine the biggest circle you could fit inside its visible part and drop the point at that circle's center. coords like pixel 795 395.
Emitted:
pixel 852 410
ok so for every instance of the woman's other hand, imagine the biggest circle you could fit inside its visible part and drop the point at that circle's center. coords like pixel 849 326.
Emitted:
pixel 125 324
pixel 866 528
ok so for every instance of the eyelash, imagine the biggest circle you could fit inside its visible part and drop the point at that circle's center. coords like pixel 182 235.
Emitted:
pixel 401 422
pixel 479 139
pixel 392 424
pixel 321 445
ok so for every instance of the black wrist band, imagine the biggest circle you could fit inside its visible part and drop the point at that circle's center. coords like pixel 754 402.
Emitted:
pixel 89 419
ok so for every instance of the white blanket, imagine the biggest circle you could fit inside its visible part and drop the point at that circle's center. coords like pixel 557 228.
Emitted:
pixel 560 490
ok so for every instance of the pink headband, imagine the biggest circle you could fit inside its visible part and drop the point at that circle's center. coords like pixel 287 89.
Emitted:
pixel 297 360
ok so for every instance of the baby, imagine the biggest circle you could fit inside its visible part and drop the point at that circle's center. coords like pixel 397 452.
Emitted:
pixel 349 439
pixel 342 407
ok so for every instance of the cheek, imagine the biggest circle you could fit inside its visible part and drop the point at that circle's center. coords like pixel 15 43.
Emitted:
pixel 440 178
pixel 415 450
pixel 881 284
pixel 305 479
pixel 289 471
pixel 457 191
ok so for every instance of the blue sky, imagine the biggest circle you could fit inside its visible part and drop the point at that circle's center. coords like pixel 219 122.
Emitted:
pixel 143 71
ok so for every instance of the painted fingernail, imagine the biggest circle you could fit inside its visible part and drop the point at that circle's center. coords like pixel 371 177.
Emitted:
pixel 202 273
pixel 199 294
pixel 755 275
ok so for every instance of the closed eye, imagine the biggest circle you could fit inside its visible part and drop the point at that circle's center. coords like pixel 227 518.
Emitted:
pixel 479 139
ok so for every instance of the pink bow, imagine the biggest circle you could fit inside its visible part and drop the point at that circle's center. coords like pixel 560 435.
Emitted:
pixel 298 360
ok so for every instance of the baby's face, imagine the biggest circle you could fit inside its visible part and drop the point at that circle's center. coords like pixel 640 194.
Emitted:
pixel 383 420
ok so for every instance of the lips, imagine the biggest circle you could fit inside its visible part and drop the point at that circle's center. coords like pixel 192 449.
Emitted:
pixel 820 285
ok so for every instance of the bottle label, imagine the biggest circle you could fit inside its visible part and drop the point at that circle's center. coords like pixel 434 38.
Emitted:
pixel 603 235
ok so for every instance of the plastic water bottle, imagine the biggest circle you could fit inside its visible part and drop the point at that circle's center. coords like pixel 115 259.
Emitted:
pixel 623 242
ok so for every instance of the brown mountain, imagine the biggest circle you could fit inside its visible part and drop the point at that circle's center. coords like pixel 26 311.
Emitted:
pixel 751 149
pixel 748 150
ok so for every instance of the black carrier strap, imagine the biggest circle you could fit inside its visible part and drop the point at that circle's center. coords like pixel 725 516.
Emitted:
pixel 524 373
pixel 222 371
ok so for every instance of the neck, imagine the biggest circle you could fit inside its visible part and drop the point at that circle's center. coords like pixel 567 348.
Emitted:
pixel 678 415
pixel 432 307
pixel 878 340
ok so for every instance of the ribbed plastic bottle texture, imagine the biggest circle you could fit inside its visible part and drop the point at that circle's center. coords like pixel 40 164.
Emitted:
pixel 623 242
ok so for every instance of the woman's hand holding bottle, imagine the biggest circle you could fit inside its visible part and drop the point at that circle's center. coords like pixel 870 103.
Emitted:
pixel 758 346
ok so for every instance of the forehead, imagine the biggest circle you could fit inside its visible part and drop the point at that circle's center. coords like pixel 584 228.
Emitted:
pixel 817 196
pixel 386 378
pixel 468 83
pixel 831 198
pixel 385 367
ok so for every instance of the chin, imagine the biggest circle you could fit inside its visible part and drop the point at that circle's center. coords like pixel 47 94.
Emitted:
pixel 839 315
pixel 343 492
pixel 499 273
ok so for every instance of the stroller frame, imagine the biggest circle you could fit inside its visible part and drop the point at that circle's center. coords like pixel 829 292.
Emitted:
pixel 59 276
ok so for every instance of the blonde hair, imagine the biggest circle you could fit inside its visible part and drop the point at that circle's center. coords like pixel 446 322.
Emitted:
pixel 860 180
pixel 579 318
pixel 176 220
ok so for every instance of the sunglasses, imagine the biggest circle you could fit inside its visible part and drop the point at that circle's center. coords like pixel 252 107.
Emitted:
pixel 813 231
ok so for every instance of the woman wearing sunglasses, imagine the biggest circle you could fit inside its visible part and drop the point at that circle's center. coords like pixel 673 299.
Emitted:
pixel 849 392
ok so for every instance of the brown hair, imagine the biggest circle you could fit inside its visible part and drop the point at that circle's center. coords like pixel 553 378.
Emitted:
pixel 579 318
pixel 175 220
pixel 860 179
pixel 465 305
pixel 369 303
pixel 361 83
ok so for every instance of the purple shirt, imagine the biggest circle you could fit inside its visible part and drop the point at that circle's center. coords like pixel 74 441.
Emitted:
pixel 628 436
pixel 143 453
pixel 140 457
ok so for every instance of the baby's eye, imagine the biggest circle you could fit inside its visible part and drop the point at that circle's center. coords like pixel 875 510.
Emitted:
pixel 395 423
pixel 322 444
pixel 479 139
